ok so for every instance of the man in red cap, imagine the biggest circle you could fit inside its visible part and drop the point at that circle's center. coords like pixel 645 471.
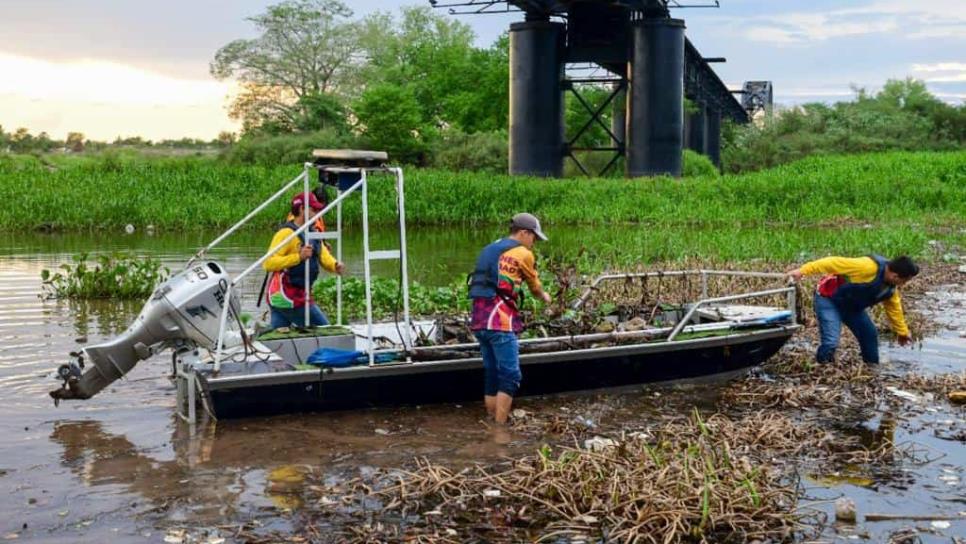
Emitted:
pixel 289 290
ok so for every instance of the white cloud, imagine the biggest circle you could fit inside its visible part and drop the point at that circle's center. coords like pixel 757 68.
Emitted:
pixel 940 67
pixel 923 19
pixel 941 72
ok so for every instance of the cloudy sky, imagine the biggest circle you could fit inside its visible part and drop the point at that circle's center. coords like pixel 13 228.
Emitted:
pixel 123 67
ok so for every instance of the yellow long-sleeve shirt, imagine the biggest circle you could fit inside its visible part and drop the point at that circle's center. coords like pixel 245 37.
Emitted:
pixel 861 270
pixel 288 256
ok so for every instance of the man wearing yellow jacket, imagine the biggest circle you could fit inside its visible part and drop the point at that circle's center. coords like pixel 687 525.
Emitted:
pixel 849 287
pixel 288 288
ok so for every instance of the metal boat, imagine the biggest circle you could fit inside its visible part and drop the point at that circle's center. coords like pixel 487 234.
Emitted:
pixel 223 370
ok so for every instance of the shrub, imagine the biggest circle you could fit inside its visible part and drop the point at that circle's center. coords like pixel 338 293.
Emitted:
pixel 478 152
pixel 698 165
pixel 903 116
pixel 284 149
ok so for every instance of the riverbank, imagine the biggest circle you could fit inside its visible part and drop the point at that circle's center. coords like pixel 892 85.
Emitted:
pixel 891 203
pixel 93 193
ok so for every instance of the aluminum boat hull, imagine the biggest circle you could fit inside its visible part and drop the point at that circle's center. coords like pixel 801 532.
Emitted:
pixel 461 380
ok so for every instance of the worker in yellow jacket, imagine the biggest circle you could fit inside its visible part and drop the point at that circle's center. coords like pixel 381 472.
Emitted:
pixel 849 287
pixel 288 288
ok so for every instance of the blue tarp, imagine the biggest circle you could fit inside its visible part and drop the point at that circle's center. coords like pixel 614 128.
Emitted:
pixel 338 358
pixel 335 358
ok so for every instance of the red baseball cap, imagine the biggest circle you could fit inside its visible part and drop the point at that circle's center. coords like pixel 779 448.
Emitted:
pixel 313 201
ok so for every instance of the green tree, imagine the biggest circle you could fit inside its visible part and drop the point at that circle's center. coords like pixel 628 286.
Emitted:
pixel 390 119
pixel 576 116
pixel 454 83
pixel 292 71
pixel 225 138
pixel 21 141
pixel 75 141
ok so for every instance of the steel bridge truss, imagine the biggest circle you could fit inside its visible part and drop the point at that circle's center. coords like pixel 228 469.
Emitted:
pixel 552 7
pixel 596 117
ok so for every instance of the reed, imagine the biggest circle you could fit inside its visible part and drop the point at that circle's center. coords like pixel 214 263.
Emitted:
pixel 888 190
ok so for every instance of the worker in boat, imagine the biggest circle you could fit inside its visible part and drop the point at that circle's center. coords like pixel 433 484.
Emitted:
pixel 496 287
pixel 288 288
pixel 849 287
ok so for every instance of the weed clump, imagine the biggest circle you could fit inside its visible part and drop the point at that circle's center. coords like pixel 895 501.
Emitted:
pixel 116 275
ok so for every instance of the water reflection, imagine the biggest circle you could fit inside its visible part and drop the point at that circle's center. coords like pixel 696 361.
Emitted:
pixel 99 458
pixel 98 317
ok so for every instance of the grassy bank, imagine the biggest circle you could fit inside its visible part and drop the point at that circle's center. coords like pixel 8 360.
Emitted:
pixel 186 193
pixel 890 202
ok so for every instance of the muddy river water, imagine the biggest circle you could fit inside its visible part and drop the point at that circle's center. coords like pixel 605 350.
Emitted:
pixel 121 468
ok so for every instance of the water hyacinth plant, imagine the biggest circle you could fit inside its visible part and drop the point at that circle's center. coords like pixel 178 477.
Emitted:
pixel 115 275
pixel 387 298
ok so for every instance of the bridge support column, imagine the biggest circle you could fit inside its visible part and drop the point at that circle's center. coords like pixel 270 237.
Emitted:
pixel 697 133
pixel 536 98
pixel 656 98
pixel 712 144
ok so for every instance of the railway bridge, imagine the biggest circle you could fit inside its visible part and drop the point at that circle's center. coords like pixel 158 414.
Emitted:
pixel 650 66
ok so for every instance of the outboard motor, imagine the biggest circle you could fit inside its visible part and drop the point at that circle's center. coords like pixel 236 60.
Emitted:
pixel 183 311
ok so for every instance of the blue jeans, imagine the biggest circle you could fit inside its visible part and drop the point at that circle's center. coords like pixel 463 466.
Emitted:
pixel 296 317
pixel 830 320
pixel 501 362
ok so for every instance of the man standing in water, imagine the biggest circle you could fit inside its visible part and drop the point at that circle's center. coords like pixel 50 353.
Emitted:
pixel 849 287
pixel 496 287
pixel 288 288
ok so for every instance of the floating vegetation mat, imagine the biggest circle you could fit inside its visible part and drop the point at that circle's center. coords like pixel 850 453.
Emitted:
pixel 689 480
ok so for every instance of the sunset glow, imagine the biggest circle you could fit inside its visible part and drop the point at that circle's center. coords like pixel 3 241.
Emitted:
pixel 107 99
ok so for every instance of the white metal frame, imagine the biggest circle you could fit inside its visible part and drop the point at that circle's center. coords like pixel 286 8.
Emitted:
pixel 789 291
pixel 369 254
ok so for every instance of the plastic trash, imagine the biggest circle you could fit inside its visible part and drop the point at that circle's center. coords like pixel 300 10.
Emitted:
pixel 912 397
pixel 599 444
pixel 845 510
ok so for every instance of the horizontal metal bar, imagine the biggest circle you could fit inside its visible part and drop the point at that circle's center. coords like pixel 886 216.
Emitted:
pixel 386 254
pixel 669 274
pixel 244 220
pixel 300 230
pixel 326 235
pixel 594 337
pixel 595 80
pixel 702 302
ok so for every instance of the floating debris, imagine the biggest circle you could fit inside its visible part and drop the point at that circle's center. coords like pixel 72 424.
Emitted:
pixel 845 510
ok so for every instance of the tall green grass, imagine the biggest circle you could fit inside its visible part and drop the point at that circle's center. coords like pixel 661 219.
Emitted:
pixel 911 189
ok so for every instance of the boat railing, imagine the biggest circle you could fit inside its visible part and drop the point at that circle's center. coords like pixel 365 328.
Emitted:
pixel 671 332
pixel 789 291
pixel 359 187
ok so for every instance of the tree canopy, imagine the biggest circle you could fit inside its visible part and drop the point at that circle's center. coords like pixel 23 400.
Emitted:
pixel 289 74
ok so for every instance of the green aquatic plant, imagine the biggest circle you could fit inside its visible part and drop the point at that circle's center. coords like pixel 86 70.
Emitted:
pixel 387 298
pixel 884 191
pixel 115 275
